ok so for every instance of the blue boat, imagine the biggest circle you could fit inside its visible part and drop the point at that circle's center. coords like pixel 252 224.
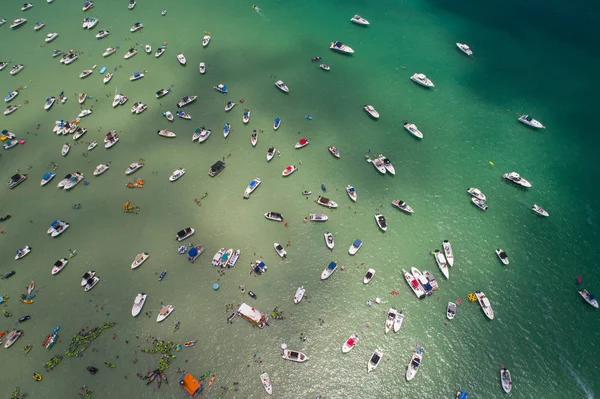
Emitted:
pixel 47 177
pixel 221 88
pixel 103 69
pixel 162 275
pixel 276 124
pixel 323 187
pixel 461 395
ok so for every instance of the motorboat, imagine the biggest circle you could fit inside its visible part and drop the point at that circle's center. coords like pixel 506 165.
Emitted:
pixel 16 69
pixel 517 179
pixel 294 356
pixel 401 205
pixel 356 245
pixel 413 366
pixel 233 258
pixel 307 192
pixel 350 343
pixel 448 253
pixel 431 280
pixel 202 68
pixel 357 19
pixel 217 258
pixel 10 109
pixel 381 222
pixel 387 165
pixel 205 40
pixel 136 76
pixel 92 145
pixel 271 153
pixel 325 67
pixel 102 34
pixel 282 86
pixel 85 73
pixel 326 202
pixel 68 59
pixel 50 37
pixel 139 259
pixel 328 271
pixel 440 259
pixel 289 170
pixel 318 217
pixel 369 275
pixel 280 250
pixel 204 135
pixel 59 265
pixel 74 180
pixel 162 92
pixel 221 88
pixel 589 298
pixel 165 311
pixel 423 280
pixel 2 21
pixel 479 204
pixel 181 59
pixel 186 100
pixel 92 22
pixel 10 144
pixel 505 379
pixel 117 100
pixel 91 283
pixel 475 192
pixel 18 22
pixel 398 321
pixel 529 121
pixel 148 49
pixel 412 129
pixel 22 252
pixel 414 284
pixel 246 116
pixel 329 240
pixel 87 5
pixel 12 337
pixel 107 78
pixel 131 4
pixel 539 210
pixel 16 179
pixel 341 48
pixel 100 169
pixel 485 304
pixel 166 133
pixel 137 26
pixel 351 192
pixel 391 317
pixel 110 139
pixel 81 98
pixel 4 64
pixel 85 113
pixel 65 149
pixel 138 303
pixel 276 123
pixel 195 252
pixel 216 168
pixel 253 185
pixel 132 168
pixel 160 51
pixel 275 216
pixel 266 382
pixel 464 48
pixel 47 177
pixel 371 111
pixel 185 233
pixel 86 276
pixel 229 105
pixel 6 135
pixel 502 256
pixel 26 6
pixel 169 116
pixel 38 25
pixel 59 228
pixel 61 184
pixel 451 310
pixel 374 360
pixel 378 164
pixel 130 53
pixel 177 174
pixel 11 96
pixel 422 80
pixel 334 151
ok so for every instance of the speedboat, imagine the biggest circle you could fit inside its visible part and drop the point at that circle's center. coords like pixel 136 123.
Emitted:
pixel 47 177
pixel 69 59
pixel 10 109
pixel 202 68
pixel 74 180
pixel 169 116
pixel 12 337
pixel 517 179
pixel 479 204
pixel 84 113
pixel 412 129
pixel 137 26
pixel 440 259
pixel 102 34
pixel 107 78
pixel 387 164
pixel 318 217
pixel 505 379
pixel 221 88
pixel 186 100
pixel 5 134
pixel 266 381
pixel 61 184
pixel 448 252
pixel 132 168
pixel 136 76
pixel 92 22
pixel 529 121
pixel 18 22
pixel 10 144
pixel 217 258
pixel 50 37
pixel 148 49
pixel 229 105
pixel 246 116
pixel 65 149
pixel 87 5
pixel 4 64
pixel 38 25
pixel 303 142
pixel 350 343
pixel 22 252
pixel 11 96
pixel 371 111
pixel 253 185
pixel 414 284
pixel 275 216
pixel 341 48
pixel 355 247
pixel 374 360
pixel 289 170
pixel 589 298
pixel 502 256
pixel 85 73
pixel 204 135
pixel 185 233
pixel 403 206
pixel 16 69
pixel 391 317
pixel 294 356
pixel 464 48
pixel 205 40
pixel 381 222
pixel 398 321
pixel 423 280
pixel 421 79
pixel 271 153
pixel 413 366
pixel 91 283
pixel 110 139
pixel 328 270
pixel 539 210
pixel 100 169
pixel 329 240
pixel 181 59
pixel 92 145
pixel 334 151
pixel 86 277
pixel 485 304
pixel 369 276
pixel 378 164
pixel 227 130
pixel 162 93
pixel 325 67
pixel 282 86
pixel 475 192
pixel 165 311
pixel 177 174
pixel 276 123
pixel 351 192
pixel 451 310
pixel 131 4
pixel 357 19
pixel 280 250
pixel 159 51
pixel 59 265
pixel 2 21
pixel 130 53
pixel 82 97
pixel 138 303
pixel 139 259
pixel 26 6
pixel 326 202
pixel 233 258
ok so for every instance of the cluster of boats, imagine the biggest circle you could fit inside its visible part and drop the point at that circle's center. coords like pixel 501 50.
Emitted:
pixel 89 280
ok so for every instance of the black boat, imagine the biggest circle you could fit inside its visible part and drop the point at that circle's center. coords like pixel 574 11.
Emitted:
pixel 252 294
pixel 24 318
pixel 3 218
pixel 9 274
pixel 92 370
pixel 17 179
pixel 216 168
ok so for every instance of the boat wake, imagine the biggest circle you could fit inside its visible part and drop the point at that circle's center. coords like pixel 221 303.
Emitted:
pixel 258 10
pixel 584 387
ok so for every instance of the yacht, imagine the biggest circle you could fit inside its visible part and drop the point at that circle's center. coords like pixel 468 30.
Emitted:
pixel 464 48
pixel 134 167
pixel 485 304
pixel 357 19
pixel 440 259
pixel 403 206
pixel 475 192
pixel 479 204
pixel 387 164
pixel 282 86
pixel 539 210
pixel 517 179
pixel 381 222
pixel 18 22
pixel 109 51
pixel 341 48
pixel 181 58
pixel 529 121
pixel 421 79
pixel 412 129
pixel 502 256
pixel 326 202
pixel 137 26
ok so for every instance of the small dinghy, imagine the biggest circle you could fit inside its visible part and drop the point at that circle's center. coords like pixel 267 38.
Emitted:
pixel 329 240
pixel 350 343
pixel 294 356
pixel 299 294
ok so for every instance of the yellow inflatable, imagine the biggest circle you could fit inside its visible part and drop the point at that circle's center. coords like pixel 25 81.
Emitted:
pixel 37 376
pixel 472 297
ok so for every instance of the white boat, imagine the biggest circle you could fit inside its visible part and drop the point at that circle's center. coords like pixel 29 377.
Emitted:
pixel 139 259
pixel 357 19
pixel 91 283
pixel 22 252
pixel 12 337
pixel 275 216
pixel 403 206
pixel 65 149
pixel 391 317
pixel 506 380
pixel 181 59
pixel 464 48
pixel 165 311
pixel 371 111
pixel 451 310
pixel 229 105
pixel 414 284
pixel 85 73
pixel 92 145
pixel 325 67
pixel 517 179
pixel 138 303
pixel 329 240
pixel 202 68
pixel 539 210
pixel 253 185
pixel 136 76
pixel 412 129
pixel 162 92
pixel 318 217
pixel 381 222
pixel 169 116
pixel 217 258
pixel 86 276
pixel 282 86
pixel 18 22
pixel 137 26
pixel 233 258
pixel 16 69
pixel 276 123
pixel 369 276
pixel 280 250
pixel 53 226
pixel 356 245
pixel 350 343
pixel 431 279
pixel 271 153
pixel 589 298
pixel 413 366
pixel 326 202
pixel 69 59
pixel 10 109
pixel 130 53
pixel 185 233
pixel 479 204
pixel 485 304
pixel 160 51
pixel 421 79
pixel 84 113
pixel 266 381
pixel 341 48
pixel 110 139
pixel 387 164
pixel 81 98
pixel 11 96
pixel 138 108
pixel 50 37
pixel 10 144
pixel 398 321
pixel 148 49
pixel 254 138
pixel 131 4
pixel 334 151
pixel 102 34
pixel 378 164
pixel 374 360
pixel 475 192
pixel 117 100
pixel 294 356
pixel 74 180
pixel 100 169
pixel 289 170
pixel 92 22
pixel 38 26
pixel 87 5
pixel 299 294
pixel 186 100
pixel 205 40
pixel 448 253
pixel 440 259
pixel 351 192
pixel 59 265
pixel 502 256
pixel 4 64
pixel 328 271
pixel 167 133
pixel 47 177
pixel 246 116
pixel 49 103
pixel 177 174
pixel 26 6
pixel 132 168
pixel 107 78
pixel 529 121
pixel 59 228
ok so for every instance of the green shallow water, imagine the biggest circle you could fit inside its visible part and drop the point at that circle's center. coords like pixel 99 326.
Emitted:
pixel 468 120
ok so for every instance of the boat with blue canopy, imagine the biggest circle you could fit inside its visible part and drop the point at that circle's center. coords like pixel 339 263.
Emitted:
pixel 328 270
pixel 461 395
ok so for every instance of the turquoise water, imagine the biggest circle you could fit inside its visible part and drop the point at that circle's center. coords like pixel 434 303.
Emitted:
pixel 543 332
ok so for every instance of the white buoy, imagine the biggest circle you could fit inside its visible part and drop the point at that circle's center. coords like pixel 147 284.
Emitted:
pixel 283 346
pixel 377 300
